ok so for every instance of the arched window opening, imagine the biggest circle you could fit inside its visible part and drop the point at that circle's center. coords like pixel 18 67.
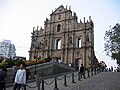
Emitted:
pixel 70 40
pixel 87 37
pixel 58 44
pixel 59 17
pixel 46 43
pixel 79 42
pixel 58 27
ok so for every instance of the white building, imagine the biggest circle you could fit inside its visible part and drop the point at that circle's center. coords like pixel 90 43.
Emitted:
pixel 7 49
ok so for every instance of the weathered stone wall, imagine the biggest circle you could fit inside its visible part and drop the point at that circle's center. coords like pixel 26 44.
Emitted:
pixel 45 69
pixel 69 31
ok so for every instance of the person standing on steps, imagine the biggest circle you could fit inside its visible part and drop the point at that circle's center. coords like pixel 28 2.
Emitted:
pixel 20 78
pixel 82 71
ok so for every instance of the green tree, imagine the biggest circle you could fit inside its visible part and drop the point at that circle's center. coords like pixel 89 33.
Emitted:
pixel 112 42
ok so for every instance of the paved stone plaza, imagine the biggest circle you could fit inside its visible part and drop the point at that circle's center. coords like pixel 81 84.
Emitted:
pixel 101 81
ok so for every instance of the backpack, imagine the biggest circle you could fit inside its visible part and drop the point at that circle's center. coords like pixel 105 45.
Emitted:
pixel 27 73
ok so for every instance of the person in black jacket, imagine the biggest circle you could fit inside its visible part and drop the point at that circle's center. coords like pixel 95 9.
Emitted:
pixel 3 74
pixel 82 71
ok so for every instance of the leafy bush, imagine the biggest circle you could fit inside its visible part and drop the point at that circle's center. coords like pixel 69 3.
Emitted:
pixel 33 62
pixel 40 61
pixel 9 63
pixel 1 65
pixel 18 62
pixel 47 59
pixel 29 63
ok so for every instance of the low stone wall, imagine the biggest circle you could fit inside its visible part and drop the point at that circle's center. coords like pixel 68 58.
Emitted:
pixel 43 70
pixel 10 75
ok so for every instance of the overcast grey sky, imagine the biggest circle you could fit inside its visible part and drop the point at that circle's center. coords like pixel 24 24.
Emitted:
pixel 17 17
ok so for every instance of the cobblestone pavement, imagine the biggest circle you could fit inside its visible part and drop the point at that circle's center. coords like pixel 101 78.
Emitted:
pixel 101 81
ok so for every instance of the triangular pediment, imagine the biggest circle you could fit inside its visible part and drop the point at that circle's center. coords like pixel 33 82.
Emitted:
pixel 59 9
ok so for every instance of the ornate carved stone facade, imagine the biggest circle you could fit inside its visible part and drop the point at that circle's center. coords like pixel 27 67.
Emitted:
pixel 64 38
